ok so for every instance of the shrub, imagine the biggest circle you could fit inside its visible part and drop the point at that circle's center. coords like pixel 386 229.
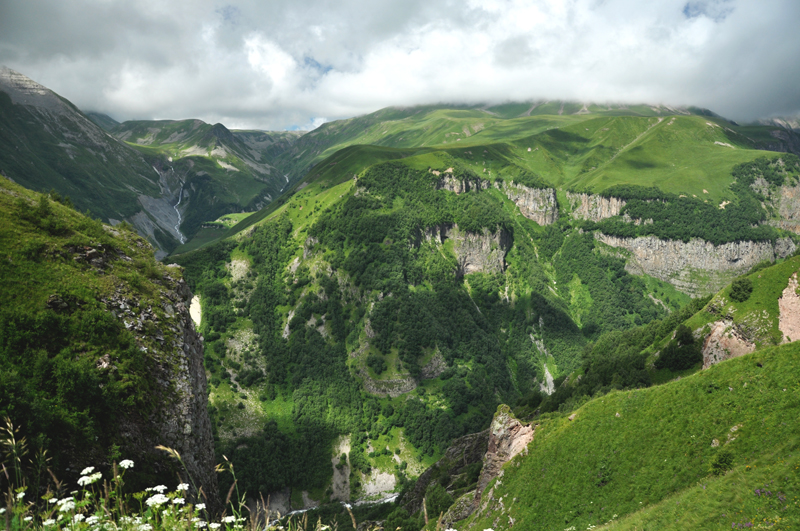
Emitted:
pixel 741 289
pixel 722 462
pixel 376 363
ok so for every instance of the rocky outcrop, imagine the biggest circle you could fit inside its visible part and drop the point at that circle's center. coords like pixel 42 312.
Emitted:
pixel 179 419
pixel 476 252
pixel 724 342
pixel 696 267
pixel 786 203
pixel 433 368
pixel 538 204
pixel 594 207
pixel 789 306
pixel 508 437
pixel 392 388
pixel 460 185
pixel 463 452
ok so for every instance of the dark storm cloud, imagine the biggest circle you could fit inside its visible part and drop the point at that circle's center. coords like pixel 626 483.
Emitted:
pixel 282 63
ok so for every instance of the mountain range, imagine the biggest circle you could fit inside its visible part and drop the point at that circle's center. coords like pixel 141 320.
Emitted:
pixel 545 314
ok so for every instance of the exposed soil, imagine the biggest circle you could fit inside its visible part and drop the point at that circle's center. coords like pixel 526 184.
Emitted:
pixel 789 306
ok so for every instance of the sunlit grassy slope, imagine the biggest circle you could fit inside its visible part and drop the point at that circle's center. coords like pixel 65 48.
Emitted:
pixel 642 459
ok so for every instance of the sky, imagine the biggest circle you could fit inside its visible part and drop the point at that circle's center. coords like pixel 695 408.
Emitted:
pixel 294 64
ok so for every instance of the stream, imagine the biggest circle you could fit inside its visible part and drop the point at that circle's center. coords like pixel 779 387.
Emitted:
pixel 390 499
pixel 177 227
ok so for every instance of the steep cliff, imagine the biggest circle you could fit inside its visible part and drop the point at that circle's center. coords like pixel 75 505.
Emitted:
pixel 475 252
pixel 459 185
pixel 538 204
pixel 594 207
pixel 462 453
pixel 119 365
pixel 785 201
pixel 696 267
pixel 179 419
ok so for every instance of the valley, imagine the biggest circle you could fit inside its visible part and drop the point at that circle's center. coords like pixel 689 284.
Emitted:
pixel 547 314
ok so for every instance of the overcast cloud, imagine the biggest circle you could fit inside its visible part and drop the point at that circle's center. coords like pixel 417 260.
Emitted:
pixel 282 63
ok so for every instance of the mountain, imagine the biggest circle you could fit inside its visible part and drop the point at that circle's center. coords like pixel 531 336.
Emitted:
pixel 395 296
pixel 220 171
pixel 711 450
pixel 103 120
pixel 200 173
pixel 99 360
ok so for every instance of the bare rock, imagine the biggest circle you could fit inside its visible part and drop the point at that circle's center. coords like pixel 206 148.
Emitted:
pixel 725 341
pixel 594 207
pixel 538 204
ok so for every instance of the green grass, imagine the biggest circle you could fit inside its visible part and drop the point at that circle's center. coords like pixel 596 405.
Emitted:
pixel 759 314
pixel 658 451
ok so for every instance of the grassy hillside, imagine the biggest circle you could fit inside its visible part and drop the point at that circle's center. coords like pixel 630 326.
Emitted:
pixel 86 329
pixel 715 450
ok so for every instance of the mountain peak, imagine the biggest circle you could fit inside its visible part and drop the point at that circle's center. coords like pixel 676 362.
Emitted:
pixel 25 91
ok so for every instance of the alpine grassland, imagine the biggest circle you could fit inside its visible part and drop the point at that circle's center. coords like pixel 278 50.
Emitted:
pixel 715 450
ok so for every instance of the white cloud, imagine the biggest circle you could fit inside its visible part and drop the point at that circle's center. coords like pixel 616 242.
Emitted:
pixel 284 63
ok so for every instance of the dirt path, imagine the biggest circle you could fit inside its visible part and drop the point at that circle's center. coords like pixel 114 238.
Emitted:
pixel 629 144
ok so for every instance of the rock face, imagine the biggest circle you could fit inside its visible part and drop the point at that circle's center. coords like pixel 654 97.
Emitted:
pixel 460 186
pixel 697 267
pixel 538 204
pixel 507 438
pixel 724 342
pixel 594 207
pixel 463 452
pixel 180 417
pixel 476 252
pixel 786 200
pixel 789 306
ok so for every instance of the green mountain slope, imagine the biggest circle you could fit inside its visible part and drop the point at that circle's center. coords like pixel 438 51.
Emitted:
pixel 714 449
pixel 219 171
pixel 98 358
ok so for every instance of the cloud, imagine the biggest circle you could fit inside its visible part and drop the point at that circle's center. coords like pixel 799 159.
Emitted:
pixel 283 64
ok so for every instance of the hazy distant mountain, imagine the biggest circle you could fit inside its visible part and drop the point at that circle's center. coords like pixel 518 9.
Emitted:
pixel 166 186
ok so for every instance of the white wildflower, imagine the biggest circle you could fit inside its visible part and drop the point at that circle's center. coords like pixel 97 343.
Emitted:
pixel 126 463
pixel 145 527
pixel 178 501
pixel 214 525
pixel 200 506
pixel 78 518
pixel 52 500
pixel 28 518
pixel 182 486
pixel 160 488
pixel 156 500
pixel 66 506
pixel 201 524
pixel 92 520
pixel 48 522
pixel 228 519
pixel 2 510
pixel 86 471
pixel 20 495
pixel 88 480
